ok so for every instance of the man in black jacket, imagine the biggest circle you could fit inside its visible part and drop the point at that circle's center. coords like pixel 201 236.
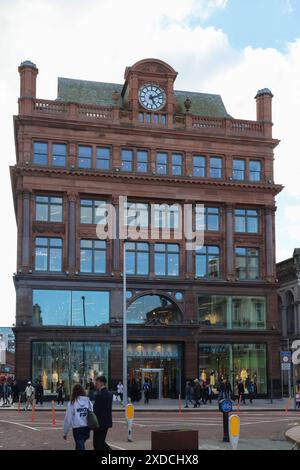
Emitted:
pixel 103 411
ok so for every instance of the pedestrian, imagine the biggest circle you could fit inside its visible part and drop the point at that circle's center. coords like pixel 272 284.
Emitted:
pixel 76 417
pixel 188 394
pixel 197 393
pixel 61 394
pixel 298 400
pixel 209 393
pixel 39 393
pixel 146 390
pixel 5 393
pixel 120 390
pixel 252 391
pixel 224 389
pixel 91 390
pixel 241 392
pixel 103 411
pixel 15 392
pixel 29 395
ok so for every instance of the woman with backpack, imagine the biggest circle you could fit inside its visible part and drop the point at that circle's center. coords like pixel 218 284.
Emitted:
pixel 76 417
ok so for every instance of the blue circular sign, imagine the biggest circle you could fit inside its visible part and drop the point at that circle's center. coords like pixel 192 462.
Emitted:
pixel 226 406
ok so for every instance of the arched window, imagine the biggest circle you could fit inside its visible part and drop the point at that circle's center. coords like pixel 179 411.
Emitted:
pixel 153 309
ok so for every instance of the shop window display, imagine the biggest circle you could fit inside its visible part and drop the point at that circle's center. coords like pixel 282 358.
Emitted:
pixel 246 362
pixel 68 363
pixel 155 309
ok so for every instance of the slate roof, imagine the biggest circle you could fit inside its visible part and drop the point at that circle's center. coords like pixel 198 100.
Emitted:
pixel 100 93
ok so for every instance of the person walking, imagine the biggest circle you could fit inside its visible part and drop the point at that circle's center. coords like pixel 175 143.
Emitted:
pixel 209 393
pixel 188 394
pixel 76 417
pixel 197 393
pixel 241 392
pixel 103 410
pixel 146 390
pixel 252 391
pixel 39 393
pixel 15 392
pixel 120 390
pixel 29 395
pixel 91 390
pixel 61 394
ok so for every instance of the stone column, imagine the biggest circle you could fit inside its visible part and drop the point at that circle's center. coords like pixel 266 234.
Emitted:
pixel 230 275
pixel 26 230
pixel 72 200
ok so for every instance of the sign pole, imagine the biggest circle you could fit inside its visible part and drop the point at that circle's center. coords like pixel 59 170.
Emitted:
pixel 125 389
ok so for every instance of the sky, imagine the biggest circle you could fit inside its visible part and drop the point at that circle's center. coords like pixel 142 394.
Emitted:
pixel 228 47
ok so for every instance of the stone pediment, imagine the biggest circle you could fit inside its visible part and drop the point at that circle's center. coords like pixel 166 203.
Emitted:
pixel 152 66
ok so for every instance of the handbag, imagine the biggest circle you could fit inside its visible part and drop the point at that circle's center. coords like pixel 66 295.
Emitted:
pixel 92 420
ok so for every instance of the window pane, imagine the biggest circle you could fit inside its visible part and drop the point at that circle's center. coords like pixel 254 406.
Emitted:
pixel 100 261
pixel 59 153
pixel 103 158
pixel 216 167
pixel 41 259
pixel 100 215
pixel 142 161
pixel 40 153
pixel 85 261
pixel 199 166
pixel 84 156
pixel 130 262
pixel 142 263
pixel 200 265
pixel 161 163
pixel 86 215
pixel 41 212
pixel 238 171
pixel 173 264
pixel 240 224
pixel 55 259
pixel 255 170
pixel 176 164
pixel 56 213
pixel 126 160
pixel 160 264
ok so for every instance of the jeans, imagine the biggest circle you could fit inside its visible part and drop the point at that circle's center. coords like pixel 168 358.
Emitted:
pixel 99 440
pixel 80 436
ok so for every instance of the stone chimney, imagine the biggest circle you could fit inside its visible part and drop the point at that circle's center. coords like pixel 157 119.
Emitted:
pixel 264 99
pixel 28 72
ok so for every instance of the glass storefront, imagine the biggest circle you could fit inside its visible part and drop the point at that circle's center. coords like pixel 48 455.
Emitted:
pixel 70 308
pixel 68 362
pixel 234 361
pixel 216 311
pixel 156 362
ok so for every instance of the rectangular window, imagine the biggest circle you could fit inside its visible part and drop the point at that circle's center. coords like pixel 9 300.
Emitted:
pixel 40 153
pixel 247 263
pixel 234 361
pixel 238 169
pixel 148 118
pixel 176 164
pixel 255 170
pixel 142 161
pixel 85 155
pixel 137 259
pixel 212 311
pixel 155 119
pixel 161 163
pixel 93 212
pixel 164 119
pixel 93 256
pixel 248 313
pixel 48 254
pixel 141 117
pixel 207 218
pixel 103 158
pixel 48 209
pixel 215 167
pixel 208 262
pixel 136 214
pixel 127 160
pixel 166 259
pixel 68 362
pixel 59 155
pixel 70 308
pixel 166 216
pixel 199 166
pixel 246 221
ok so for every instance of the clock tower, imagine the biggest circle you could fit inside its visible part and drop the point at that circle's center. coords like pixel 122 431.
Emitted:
pixel 148 91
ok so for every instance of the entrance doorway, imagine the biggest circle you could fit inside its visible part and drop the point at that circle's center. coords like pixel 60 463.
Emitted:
pixel 155 378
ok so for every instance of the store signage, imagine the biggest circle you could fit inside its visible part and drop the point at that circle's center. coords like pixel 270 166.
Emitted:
pixel 150 351
pixel 296 352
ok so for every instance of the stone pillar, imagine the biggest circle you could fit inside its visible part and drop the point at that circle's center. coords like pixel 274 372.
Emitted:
pixel 72 200
pixel 264 110
pixel 270 244
pixel 26 231
pixel 116 364
pixel 191 360
pixel 230 263
pixel 28 73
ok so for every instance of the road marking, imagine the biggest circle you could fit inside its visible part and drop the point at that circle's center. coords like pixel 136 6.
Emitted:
pixel 116 447
pixel 19 424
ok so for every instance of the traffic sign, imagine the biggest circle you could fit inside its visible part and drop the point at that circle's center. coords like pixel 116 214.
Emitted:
pixel 226 406
pixel 285 359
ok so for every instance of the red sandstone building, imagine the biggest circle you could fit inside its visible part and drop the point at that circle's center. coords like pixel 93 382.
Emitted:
pixel 205 313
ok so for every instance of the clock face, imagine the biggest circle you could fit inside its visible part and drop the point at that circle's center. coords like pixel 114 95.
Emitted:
pixel 152 97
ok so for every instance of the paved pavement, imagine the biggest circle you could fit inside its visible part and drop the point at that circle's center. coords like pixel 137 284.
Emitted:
pixel 173 405
pixel 259 430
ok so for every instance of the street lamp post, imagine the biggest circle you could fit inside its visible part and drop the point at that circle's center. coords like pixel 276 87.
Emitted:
pixel 125 391
pixel 83 349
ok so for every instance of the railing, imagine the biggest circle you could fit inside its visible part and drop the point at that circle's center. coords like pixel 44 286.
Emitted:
pixel 94 113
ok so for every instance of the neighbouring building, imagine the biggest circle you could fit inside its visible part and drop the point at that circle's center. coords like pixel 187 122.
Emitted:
pixel 205 313
pixel 7 352
pixel 288 273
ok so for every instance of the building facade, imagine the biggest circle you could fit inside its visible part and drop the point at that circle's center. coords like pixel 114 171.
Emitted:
pixel 288 273
pixel 207 312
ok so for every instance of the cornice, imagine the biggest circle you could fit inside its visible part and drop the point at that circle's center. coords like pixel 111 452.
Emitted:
pixel 204 183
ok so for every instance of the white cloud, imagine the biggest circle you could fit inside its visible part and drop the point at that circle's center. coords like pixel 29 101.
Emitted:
pixel 97 39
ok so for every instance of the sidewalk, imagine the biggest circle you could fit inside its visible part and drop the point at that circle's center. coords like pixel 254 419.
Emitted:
pixel 168 405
